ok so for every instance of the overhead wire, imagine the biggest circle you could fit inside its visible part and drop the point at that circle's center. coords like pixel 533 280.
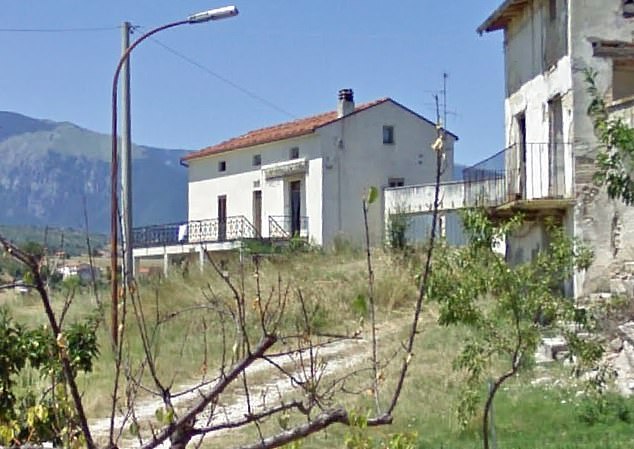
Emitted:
pixel 58 30
pixel 167 48
pixel 225 80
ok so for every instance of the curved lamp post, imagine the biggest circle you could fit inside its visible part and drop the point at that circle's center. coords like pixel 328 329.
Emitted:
pixel 205 16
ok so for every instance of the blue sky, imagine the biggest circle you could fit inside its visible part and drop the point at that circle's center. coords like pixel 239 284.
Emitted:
pixel 295 54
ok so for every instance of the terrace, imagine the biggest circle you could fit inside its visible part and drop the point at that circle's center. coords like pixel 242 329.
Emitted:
pixel 232 229
pixel 197 237
pixel 527 177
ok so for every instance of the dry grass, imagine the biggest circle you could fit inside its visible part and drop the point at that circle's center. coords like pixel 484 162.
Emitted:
pixel 330 283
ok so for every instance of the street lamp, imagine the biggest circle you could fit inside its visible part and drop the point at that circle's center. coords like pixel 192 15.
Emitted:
pixel 205 16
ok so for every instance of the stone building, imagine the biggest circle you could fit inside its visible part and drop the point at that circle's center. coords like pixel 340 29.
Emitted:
pixel 547 166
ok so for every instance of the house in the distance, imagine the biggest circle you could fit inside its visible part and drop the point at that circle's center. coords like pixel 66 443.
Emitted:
pixel 85 272
pixel 547 166
pixel 304 178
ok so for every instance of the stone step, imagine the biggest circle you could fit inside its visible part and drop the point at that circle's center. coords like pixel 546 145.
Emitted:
pixel 551 348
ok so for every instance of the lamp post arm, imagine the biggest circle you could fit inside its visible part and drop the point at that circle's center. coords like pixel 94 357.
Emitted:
pixel 114 216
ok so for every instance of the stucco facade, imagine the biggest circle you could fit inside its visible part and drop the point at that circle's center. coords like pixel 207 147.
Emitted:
pixel 331 166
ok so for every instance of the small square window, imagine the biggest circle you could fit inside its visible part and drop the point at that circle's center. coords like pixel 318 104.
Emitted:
pixel 396 182
pixel 294 153
pixel 628 8
pixel 257 160
pixel 222 166
pixel 388 134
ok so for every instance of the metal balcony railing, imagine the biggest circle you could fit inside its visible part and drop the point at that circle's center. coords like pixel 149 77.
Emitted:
pixel 199 231
pixel 284 227
pixel 520 172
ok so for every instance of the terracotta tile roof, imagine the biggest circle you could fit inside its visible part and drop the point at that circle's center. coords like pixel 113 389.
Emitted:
pixel 275 133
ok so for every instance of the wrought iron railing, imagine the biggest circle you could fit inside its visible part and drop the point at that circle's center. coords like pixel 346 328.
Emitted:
pixel 528 172
pixel 198 231
pixel 287 226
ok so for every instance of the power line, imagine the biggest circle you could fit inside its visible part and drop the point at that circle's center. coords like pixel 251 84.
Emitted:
pixel 225 80
pixel 57 30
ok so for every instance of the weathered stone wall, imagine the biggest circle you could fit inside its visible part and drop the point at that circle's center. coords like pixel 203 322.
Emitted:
pixel 598 221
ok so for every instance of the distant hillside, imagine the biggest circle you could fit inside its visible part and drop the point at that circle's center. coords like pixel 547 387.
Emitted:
pixel 71 241
pixel 49 169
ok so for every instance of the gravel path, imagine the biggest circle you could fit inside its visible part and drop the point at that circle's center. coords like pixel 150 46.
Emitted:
pixel 339 357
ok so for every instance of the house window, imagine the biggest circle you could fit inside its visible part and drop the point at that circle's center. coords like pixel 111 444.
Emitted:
pixel 294 153
pixel 396 182
pixel 257 160
pixel 388 134
pixel 622 80
pixel 222 166
pixel 628 8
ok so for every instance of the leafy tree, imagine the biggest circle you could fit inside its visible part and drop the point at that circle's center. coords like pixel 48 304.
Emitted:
pixel 33 416
pixel 503 307
pixel 615 159
pixel 34 248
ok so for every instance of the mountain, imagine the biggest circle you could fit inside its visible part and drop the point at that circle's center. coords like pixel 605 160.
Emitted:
pixel 48 170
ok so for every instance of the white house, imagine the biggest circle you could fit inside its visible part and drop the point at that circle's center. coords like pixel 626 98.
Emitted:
pixel 303 178
pixel 546 168
pixel 307 177
pixel 83 271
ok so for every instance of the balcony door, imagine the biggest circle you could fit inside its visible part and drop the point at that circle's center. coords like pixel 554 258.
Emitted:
pixel 257 212
pixel 521 129
pixel 555 148
pixel 295 195
pixel 222 218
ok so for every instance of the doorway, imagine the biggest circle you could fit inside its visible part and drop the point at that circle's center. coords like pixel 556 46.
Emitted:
pixel 555 148
pixel 521 128
pixel 257 212
pixel 222 218
pixel 296 207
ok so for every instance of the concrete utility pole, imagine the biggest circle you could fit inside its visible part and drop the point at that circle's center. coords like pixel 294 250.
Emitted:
pixel 201 17
pixel 126 161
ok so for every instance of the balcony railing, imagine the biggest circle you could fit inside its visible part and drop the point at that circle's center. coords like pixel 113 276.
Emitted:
pixel 284 226
pixel 520 172
pixel 516 174
pixel 199 231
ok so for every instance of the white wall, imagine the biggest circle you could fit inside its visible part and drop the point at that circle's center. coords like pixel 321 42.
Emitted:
pixel 531 99
pixel 241 179
pixel 355 158
pixel 344 159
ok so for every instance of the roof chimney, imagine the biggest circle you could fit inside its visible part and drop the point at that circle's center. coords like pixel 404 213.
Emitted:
pixel 345 105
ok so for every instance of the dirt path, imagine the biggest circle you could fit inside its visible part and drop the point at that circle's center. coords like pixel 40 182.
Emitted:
pixel 339 357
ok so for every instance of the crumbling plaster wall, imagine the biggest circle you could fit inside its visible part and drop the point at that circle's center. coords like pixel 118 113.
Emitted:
pixel 605 225
pixel 530 85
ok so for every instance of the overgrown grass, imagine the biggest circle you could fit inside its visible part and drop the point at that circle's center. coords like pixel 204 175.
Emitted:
pixel 526 416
